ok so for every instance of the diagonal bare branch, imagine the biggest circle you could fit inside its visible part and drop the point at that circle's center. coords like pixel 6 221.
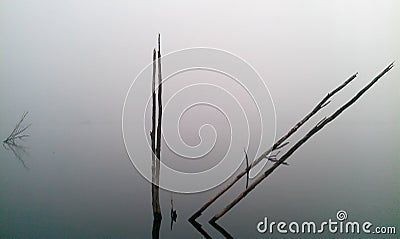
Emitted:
pixel 278 144
pixel 299 143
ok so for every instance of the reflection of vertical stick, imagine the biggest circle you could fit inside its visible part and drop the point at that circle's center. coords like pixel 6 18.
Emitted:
pixel 174 215
pixel 172 202
pixel 172 211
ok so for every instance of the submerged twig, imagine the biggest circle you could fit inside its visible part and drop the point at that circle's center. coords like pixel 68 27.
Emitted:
pixel 299 143
pixel 278 144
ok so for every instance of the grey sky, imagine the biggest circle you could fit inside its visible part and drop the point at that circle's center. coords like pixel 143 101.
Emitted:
pixel 89 51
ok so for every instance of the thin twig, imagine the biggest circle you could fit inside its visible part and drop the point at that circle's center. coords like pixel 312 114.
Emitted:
pixel 247 168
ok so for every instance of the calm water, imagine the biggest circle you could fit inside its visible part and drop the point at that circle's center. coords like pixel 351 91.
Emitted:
pixel 79 183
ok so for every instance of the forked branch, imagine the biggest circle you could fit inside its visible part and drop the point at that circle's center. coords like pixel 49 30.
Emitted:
pixel 18 131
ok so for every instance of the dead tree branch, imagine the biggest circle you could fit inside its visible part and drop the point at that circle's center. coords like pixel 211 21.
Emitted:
pixel 158 148
pixel 299 143
pixel 156 144
pixel 277 145
pixel 18 131
pixel 154 189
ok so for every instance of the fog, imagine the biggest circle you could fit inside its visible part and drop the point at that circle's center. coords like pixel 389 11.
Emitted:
pixel 71 63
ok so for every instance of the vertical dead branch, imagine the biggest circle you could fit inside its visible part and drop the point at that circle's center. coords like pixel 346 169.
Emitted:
pixel 173 213
pixel 154 186
pixel 158 149
pixel 278 144
pixel 154 113
pixel 156 145
pixel 220 229
pixel 158 135
pixel 299 143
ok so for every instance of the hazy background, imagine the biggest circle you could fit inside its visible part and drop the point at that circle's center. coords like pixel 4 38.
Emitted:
pixel 70 64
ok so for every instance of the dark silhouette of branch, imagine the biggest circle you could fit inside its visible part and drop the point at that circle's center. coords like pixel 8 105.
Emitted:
pixel 156 143
pixel 277 145
pixel 299 143
pixel 158 148
pixel 174 214
pixel 154 189
pixel 153 116
pixel 18 131
pixel 155 232
pixel 247 168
